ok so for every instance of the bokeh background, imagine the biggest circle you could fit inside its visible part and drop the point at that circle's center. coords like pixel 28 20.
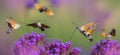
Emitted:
pixel 66 11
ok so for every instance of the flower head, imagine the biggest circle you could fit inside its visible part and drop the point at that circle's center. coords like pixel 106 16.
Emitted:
pixel 57 47
pixel 30 3
pixel 106 47
pixel 28 45
pixel 55 2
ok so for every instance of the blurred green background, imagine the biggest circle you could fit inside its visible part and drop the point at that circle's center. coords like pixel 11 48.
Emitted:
pixel 78 11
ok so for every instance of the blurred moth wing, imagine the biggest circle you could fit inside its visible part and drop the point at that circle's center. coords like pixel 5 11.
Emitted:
pixel 38 6
pixel 49 12
pixel 35 24
pixel 43 27
pixel 90 31
pixel 11 22
pixel 113 32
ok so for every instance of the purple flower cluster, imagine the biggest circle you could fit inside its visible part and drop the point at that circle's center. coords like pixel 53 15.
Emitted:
pixel 30 3
pixel 28 45
pixel 106 47
pixel 55 2
pixel 36 44
pixel 56 47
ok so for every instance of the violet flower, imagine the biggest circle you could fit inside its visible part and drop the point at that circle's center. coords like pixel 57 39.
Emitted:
pixel 37 44
pixel 55 2
pixel 30 3
pixel 106 47
pixel 28 45
pixel 57 47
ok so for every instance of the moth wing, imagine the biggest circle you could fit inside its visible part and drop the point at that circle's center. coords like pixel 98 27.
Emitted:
pixel 49 12
pixel 11 22
pixel 38 6
pixel 92 26
pixel 45 26
pixel 33 25
pixel 88 26
pixel 113 32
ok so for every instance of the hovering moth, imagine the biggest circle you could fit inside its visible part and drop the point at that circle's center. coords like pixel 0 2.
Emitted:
pixel 12 25
pixel 44 9
pixel 39 25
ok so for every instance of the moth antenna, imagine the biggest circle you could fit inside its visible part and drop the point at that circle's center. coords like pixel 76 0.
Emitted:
pixel 72 34
pixel 74 23
pixel 73 30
